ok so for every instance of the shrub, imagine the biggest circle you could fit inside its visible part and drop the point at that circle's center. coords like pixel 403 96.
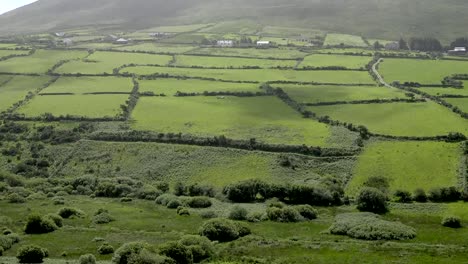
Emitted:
pixel 87 259
pixel 14 238
pixel 102 216
pixel 178 252
pixel 403 196
pixel 238 213
pixel 369 226
pixel 5 243
pixel 126 200
pixel 174 203
pixel 420 196
pixel 39 225
pixel 208 214
pixel 123 253
pixel 15 198
pixel 255 217
pixel 285 215
pixel 307 211
pixel 67 212
pixel 1 251
pixel 58 220
pixel 377 182
pixel 180 189
pixel 275 203
pixel 201 247
pixel 58 200
pixel 105 249
pixel 200 190
pixel 165 199
pixel 452 222
pixel 199 202
pixel 31 254
pixel 372 200
pixel 183 211
pixel 146 257
pixel 221 230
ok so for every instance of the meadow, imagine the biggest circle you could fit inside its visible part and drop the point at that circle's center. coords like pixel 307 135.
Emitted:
pixel 226 62
pixel 245 27
pixel 447 91
pixel 344 39
pixel 157 48
pixel 321 60
pixel 90 106
pixel 172 86
pixel 177 29
pixel 275 53
pixel 421 71
pixel 330 93
pixel 17 89
pixel 291 31
pixel 86 85
pixel 398 119
pixel 5 53
pixel 409 165
pixel 461 103
pixel 265 118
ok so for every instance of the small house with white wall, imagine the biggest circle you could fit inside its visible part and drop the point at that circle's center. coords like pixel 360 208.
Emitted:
pixel 225 43
pixel 263 43
pixel 458 51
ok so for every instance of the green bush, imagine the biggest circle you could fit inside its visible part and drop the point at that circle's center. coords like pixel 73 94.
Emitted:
pixel 67 212
pixel 369 226
pixel 174 203
pixel 420 196
pixel 201 247
pixel 221 230
pixel 180 253
pixel 452 222
pixel 199 202
pixel 15 198
pixel 31 254
pixel 14 238
pixel 255 217
pixel 182 211
pixel 5 243
pixel 238 213
pixel 39 225
pixel 58 200
pixel 58 220
pixel 105 249
pixel 378 182
pixel 102 216
pixel 165 199
pixel 1 251
pixel 87 259
pixel 285 215
pixel 146 257
pixel 307 211
pixel 372 200
pixel 208 214
pixel 123 253
pixel 403 196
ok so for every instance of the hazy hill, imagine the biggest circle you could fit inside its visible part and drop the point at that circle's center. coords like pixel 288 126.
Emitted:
pixel 373 18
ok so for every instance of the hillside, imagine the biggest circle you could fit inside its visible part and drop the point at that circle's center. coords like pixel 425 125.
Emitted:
pixel 372 18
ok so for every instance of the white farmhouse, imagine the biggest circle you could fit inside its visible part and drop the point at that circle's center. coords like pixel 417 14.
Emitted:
pixel 225 43
pixel 263 43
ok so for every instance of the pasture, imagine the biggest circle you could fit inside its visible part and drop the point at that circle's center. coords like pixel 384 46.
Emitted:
pixel 265 118
pixel 409 165
pixel 157 48
pixel 169 86
pixel 245 27
pixel 398 119
pixel 89 106
pixel 177 29
pixel 447 91
pixel 86 85
pixel 272 53
pixel 344 40
pixel 17 89
pixel 291 32
pixel 332 93
pixel 5 53
pixel 322 60
pixel 461 103
pixel 226 62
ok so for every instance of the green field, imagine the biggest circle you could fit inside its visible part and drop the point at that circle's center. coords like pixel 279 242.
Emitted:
pixel 344 39
pixel 275 53
pixel 226 62
pixel 104 62
pixel 83 85
pixel 265 118
pixel 330 93
pixel 291 31
pixel 448 91
pixel 177 29
pixel 246 27
pixel 5 53
pixel 17 89
pixel 398 119
pixel 321 60
pixel 259 75
pixel 157 48
pixel 172 86
pixel 362 51
pixel 409 165
pixel 421 71
pixel 39 62
pixel 91 106
pixel 461 103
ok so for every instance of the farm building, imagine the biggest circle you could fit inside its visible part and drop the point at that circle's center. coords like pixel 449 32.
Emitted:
pixel 67 42
pixel 225 43
pixel 121 41
pixel 60 34
pixel 263 43
pixel 392 46
pixel 458 51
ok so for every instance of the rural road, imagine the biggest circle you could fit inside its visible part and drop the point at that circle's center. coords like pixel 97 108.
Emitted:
pixel 376 72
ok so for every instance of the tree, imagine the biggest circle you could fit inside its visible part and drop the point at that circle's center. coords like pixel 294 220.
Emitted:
pixel 372 200
pixel 403 44
pixel 378 46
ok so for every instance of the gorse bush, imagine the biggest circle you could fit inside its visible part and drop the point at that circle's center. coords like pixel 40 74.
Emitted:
pixel 147 257
pixel 403 196
pixel 7 241
pixel 420 196
pixel 165 199
pixel 307 211
pixel 123 253
pixel 105 249
pixel 452 222
pixel 199 202
pixel 37 224
pixel 223 230
pixel 180 253
pixel 174 203
pixel 286 215
pixel 255 217
pixel 87 259
pixel 31 254
pixel 67 212
pixel 372 200
pixel 450 194
pixel 58 220
pixel 238 213
pixel 201 247
pixel 102 216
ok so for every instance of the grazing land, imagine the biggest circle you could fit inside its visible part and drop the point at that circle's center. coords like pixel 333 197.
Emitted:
pixel 344 40
pixel 226 62
pixel 279 53
pixel 461 103
pixel 168 86
pixel 17 87
pixel 157 48
pixel 321 60
pixel 89 85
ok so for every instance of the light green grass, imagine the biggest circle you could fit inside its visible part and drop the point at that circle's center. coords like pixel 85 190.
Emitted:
pixel 40 62
pixel 327 93
pixel 239 26
pixel 291 31
pixel 279 53
pixel 84 85
pixel 105 62
pixel 158 48
pixel 17 89
pixel 92 106
pixel 5 53
pixel 265 118
pixel 96 46
pixel 347 40
pixel 260 75
pixel 171 86
pixel 422 71
pixel 449 91
pixel 362 51
pixel 461 103
pixel 226 62
pixel 176 29
pixel 321 60
pixel 409 165
pixel 398 119
pixel 191 38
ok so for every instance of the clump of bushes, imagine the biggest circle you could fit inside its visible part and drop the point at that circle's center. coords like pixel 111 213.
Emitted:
pixel 223 230
pixel 201 247
pixel 165 199
pixel 444 194
pixel 286 214
pixel 307 211
pixel 420 196
pixel 369 226
pixel 178 252
pixel 403 196
pixel 174 203
pixel 372 200
pixel 208 214
pixel 183 211
pixel 199 202
pixel 102 216
pixel 15 198
pixel 58 220
pixel 37 224
pixel 105 249
pixel 180 189
pixel 87 259
pixel 452 222
pixel 255 217
pixel 31 254
pixel 123 253
pixel 7 241
pixel 67 212
pixel 238 213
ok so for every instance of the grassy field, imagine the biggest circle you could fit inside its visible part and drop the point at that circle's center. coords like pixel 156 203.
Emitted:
pixel 105 62
pixel 321 60
pixel 291 31
pixel 226 62
pixel 260 75
pixel 449 91
pixel 409 165
pixel 344 39
pixel 187 39
pixel 92 106
pixel 177 29
pixel 159 48
pixel 83 85
pixel 398 119
pixel 362 51
pixel 265 118
pixel 171 86
pixel 330 93
pixel 17 89
pixel 40 62
pixel 422 71
pixel 5 53
pixel 246 27
pixel 276 53
pixel 461 103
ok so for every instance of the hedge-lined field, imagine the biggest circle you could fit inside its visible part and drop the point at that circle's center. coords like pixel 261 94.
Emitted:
pixel 91 106
pixel 168 86
pixel 280 53
pixel 265 118
pixel 17 89
pixel 226 62
pixel 177 29
pixel 83 85
pixel 325 60
pixel 398 119
pixel 409 165
pixel 333 93
pixel 461 103
pixel 449 91
pixel 5 53
pixel 344 39
pixel 158 48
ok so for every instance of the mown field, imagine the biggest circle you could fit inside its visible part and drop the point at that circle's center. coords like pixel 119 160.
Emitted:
pixel 168 86
pixel 321 60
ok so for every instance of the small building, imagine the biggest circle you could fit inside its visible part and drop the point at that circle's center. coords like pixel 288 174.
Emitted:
pixel 458 51
pixel 225 43
pixel 121 41
pixel 60 34
pixel 159 34
pixel 392 46
pixel 263 43
pixel 67 42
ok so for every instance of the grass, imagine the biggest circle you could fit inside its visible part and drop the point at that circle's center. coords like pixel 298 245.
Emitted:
pixel 461 103
pixel 275 53
pixel 191 38
pixel 291 32
pixel 398 119
pixel 5 53
pixel 322 60
pixel 260 75
pixel 449 91
pixel 409 165
pixel 226 62
pixel 171 86
pixel 91 106
pixel 40 62
pixel 177 29
pixel 158 48
pixel 246 27
pixel 422 71
pixel 344 39
pixel 83 85
pixel 265 118
pixel 330 93
pixel 17 89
